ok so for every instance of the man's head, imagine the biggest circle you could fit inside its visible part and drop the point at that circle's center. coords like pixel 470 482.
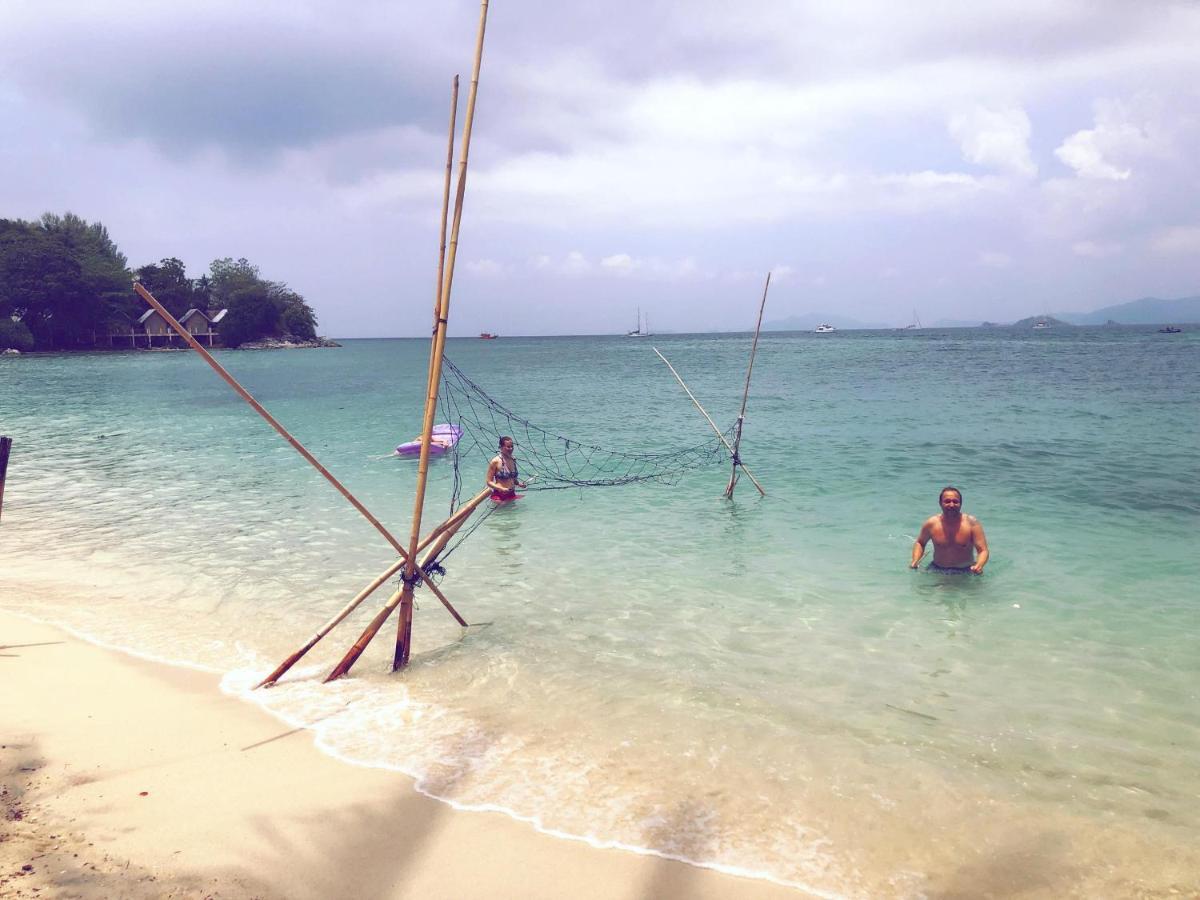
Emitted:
pixel 950 500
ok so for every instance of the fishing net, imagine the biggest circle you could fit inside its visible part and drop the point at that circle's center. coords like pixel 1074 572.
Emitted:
pixel 546 460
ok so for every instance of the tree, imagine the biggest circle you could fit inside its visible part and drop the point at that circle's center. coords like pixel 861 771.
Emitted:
pixel 14 335
pixel 228 278
pixel 252 315
pixel 171 287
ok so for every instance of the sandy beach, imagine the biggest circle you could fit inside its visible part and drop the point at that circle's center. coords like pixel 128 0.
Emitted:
pixel 124 778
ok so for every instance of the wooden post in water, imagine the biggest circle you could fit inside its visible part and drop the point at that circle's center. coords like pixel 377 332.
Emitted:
pixel 435 538
pixel 687 391
pixel 737 439
pixel 5 447
pixel 404 597
pixel 404 630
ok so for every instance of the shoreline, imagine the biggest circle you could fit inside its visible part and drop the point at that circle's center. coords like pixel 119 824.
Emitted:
pixel 123 775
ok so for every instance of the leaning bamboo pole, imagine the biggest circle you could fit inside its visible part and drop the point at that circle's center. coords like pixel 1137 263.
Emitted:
pixel 405 598
pixel 449 527
pixel 707 416
pixel 404 628
pixel 441 270
pixel 271 420
pixel 737 440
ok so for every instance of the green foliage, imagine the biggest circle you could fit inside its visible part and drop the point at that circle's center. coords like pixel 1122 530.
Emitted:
pixel 171 287
pixel 68 285
pixel 252 315
pixel 228 278
pixel 297 318
pixel 14 335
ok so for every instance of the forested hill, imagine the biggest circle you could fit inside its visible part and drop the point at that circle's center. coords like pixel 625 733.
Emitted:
pixel 65 285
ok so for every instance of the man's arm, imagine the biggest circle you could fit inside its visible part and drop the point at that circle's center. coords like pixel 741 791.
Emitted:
pixel 981 547
pixel 919 545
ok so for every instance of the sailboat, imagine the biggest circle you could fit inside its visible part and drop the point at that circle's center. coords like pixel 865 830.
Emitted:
pixel 640 331
pixel 916 323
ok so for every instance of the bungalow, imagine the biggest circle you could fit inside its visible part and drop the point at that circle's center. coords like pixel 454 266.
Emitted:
pixel 152 329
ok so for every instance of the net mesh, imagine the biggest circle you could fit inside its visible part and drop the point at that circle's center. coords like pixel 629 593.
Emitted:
pixel 550 461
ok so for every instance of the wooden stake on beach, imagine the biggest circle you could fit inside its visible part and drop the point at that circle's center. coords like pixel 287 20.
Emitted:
pixel 5 447
pixel 707 416
pixel 737 439
pixel 446 530
pixel 258 408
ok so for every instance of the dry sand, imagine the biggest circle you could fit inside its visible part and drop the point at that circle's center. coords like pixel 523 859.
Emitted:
pixel 123 778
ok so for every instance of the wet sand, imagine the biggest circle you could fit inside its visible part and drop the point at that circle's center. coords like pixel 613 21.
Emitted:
pixel 124 778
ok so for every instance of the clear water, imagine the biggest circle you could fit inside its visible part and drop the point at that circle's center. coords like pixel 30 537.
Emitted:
pixel 760 684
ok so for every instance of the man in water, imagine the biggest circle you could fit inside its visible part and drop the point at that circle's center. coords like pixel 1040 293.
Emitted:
pixel 959 544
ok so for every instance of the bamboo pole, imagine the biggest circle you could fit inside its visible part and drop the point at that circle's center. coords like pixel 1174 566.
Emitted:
pixel 441 271
pixel 451 525
pixel 707 416
pixel 404 628
pixel 737 441
pixel 5 447
pixel 258 408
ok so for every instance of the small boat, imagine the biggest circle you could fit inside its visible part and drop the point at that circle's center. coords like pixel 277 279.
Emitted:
pixel 1169 329
pixel 640 331
pixel 824 328
pixel 915 323
pixel 1041 324
pixel 487 336
pixel 443 438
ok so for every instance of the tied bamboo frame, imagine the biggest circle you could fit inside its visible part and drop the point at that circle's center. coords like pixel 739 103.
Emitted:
pixel 737 440
pixel 404 598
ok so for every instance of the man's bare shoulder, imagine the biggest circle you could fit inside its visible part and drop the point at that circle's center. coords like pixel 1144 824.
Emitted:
pixel 973 521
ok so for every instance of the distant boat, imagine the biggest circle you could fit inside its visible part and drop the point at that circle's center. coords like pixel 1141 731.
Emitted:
pixel 916 323
pixel 1041 325
pixel 1169 329
pixel 824 328
pixel 640 331
pixel 443 438
pixel 487 336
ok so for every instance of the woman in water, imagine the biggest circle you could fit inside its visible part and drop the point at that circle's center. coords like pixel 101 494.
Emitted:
pixel 502 473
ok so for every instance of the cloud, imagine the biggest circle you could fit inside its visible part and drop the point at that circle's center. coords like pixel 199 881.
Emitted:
pixel 993 259
pixel 1180 240
pixel 486 268
pixel 1081 151
pixel 1095 249
pixel 622 263
pixel 997 138
pixel 1119 137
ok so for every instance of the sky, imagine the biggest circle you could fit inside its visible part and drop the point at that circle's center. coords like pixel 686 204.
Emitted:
pixel 963 161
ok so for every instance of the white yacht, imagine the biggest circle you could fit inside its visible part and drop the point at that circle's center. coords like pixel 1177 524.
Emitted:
pixel 640 331
pixel 824 328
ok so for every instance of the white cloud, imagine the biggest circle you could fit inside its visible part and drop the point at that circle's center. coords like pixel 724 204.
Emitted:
pixel 486 268
pixel 621 263
pixel 1177 241
pixel 1121 135
pixel 576 264
pixel 1081 151
pixel 994 259
pixel 1095 249
pixel 998 138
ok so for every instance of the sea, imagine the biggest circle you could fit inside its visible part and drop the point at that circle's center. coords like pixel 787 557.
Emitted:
pixel 759 684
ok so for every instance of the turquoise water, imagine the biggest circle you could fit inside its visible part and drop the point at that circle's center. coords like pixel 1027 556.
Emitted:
pixel 760 684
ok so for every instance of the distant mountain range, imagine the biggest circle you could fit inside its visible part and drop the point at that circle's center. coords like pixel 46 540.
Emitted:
pixel 1146 311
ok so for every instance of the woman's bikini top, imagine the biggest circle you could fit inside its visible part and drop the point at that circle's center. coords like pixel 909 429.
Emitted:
pixel 502 474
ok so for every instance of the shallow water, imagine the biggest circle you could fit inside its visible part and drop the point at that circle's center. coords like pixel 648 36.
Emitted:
pixel 759 684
